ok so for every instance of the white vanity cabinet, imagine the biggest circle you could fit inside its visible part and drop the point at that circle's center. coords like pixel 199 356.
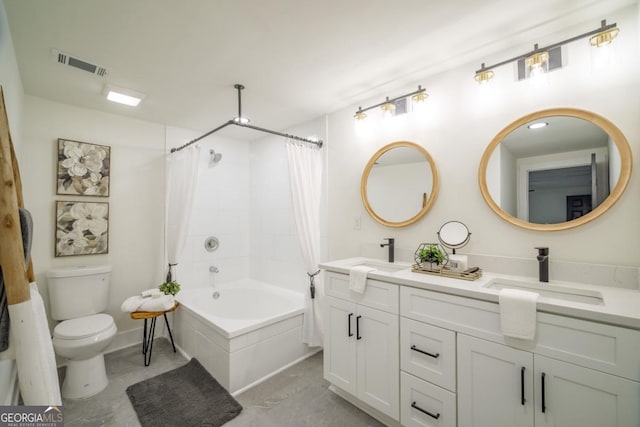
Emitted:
pixel 425 357
pixel 504 386
pixel 361 342
pixel 591 370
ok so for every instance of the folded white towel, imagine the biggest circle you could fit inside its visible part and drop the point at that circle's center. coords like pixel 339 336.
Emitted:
pixel 518 313
pixel 131 304
pixel 162 303
pixel 138 303
pixel 153 292
pixel 358 277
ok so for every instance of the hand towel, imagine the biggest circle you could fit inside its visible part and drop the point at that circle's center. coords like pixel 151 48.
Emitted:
pixel 153 292
pixel 46 355
pixel 358 277
pixel 518 313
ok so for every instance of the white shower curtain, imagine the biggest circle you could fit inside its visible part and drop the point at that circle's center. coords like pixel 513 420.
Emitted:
pixel 305 177
pixel 182 178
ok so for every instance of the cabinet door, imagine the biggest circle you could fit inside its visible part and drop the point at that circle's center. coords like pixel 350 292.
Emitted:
pixel 580 397
pixel 378 360
pixel 340 344
pixel 495 384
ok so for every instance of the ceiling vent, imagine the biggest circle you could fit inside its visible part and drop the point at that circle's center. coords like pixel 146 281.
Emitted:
pixel 81 64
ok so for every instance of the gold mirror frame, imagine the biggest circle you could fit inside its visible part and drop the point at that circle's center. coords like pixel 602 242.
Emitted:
pixel 612 130
pixel 430 200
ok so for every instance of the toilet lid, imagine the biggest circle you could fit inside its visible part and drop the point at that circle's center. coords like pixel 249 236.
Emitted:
pixel 83 327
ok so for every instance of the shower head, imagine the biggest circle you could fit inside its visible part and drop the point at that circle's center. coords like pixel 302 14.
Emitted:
pixel 215 157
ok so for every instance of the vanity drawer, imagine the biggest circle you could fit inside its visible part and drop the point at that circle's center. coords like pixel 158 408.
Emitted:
pixel 438 402
pixel 379 295
pixel 428 352
pixel 607 348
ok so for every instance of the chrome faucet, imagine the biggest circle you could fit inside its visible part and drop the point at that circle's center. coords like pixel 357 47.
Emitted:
pixel 213 269
pixel 391 246
pixel 543 263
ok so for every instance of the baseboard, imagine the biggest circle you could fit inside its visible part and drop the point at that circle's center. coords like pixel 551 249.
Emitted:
pixel 125 339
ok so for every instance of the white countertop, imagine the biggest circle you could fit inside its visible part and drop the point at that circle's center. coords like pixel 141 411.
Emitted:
pixel 621 306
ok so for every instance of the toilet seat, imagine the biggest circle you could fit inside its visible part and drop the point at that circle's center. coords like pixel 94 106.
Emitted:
pixel 83 327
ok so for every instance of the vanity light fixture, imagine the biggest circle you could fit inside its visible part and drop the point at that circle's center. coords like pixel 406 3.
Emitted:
pixel 537 61
pixel 388 106
pixel 360 115
pixel 483 76
pixel 604 38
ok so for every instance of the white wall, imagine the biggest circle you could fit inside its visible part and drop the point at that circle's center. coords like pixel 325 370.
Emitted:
pixel 221 209
pixel 458 123
pixel 11 82
pixel 245 201
pixel 136 202
pixel 275 252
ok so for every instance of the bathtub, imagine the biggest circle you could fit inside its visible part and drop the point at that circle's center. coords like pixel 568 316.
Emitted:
pixel 250 332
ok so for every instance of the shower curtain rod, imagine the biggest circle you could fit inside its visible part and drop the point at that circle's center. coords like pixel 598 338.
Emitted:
pixel 237 122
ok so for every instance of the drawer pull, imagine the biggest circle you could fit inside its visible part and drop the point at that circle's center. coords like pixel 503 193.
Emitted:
pixel 435 356
pixel 349 322
pixel 414 406
pixel 522 399
pixel 358 337
pixel 544 405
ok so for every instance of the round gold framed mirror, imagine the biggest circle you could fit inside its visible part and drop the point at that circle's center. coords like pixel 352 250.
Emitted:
pixel 555 169
pixel 399 184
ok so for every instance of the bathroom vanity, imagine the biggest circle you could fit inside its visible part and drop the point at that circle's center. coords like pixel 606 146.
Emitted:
pixel 423 350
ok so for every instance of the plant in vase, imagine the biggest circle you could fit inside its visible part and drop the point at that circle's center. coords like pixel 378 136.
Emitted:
pixel 170 288
pixel 430 254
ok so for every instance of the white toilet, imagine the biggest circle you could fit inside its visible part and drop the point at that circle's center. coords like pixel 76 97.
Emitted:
pixel 77 295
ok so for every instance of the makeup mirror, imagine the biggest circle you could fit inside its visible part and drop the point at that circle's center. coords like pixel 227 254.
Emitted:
pixel 399 184
pixel 555 169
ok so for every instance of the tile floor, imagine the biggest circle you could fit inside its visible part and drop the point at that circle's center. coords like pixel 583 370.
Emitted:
pixel 296 397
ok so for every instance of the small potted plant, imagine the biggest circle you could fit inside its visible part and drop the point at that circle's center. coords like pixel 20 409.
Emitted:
pixel 170 288
pixel 430 253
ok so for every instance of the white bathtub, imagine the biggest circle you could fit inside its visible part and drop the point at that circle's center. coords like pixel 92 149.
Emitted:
pixel 250 332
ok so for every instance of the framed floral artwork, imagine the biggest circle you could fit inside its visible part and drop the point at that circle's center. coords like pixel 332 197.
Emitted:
pixel 83 168
pixel 82 228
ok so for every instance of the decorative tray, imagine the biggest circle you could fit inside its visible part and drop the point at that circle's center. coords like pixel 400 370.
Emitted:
pixel 445 272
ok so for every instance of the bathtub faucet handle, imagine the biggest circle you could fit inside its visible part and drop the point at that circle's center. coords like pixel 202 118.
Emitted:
pixel 213 269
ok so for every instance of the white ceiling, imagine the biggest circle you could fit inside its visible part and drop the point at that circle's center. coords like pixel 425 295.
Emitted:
pixel 298 59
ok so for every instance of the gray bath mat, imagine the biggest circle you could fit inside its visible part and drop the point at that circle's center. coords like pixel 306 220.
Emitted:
pixel 186 396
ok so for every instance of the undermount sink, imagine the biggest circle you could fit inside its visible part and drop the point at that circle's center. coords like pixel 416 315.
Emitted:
pixel 552 292
pixel 383 266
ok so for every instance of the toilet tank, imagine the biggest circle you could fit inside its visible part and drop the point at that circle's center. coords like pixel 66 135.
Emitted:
pixel 78 291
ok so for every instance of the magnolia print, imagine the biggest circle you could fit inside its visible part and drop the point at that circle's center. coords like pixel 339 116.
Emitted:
pixel 83 168
pixel 82 228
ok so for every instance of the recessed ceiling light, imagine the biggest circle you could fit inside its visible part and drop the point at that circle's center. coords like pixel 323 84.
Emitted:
pixel 123 96
pixel 538 125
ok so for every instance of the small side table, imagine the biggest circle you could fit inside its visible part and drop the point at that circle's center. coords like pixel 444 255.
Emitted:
pixel 147 337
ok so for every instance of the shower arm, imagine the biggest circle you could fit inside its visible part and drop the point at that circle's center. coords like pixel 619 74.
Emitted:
pixel 240 87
